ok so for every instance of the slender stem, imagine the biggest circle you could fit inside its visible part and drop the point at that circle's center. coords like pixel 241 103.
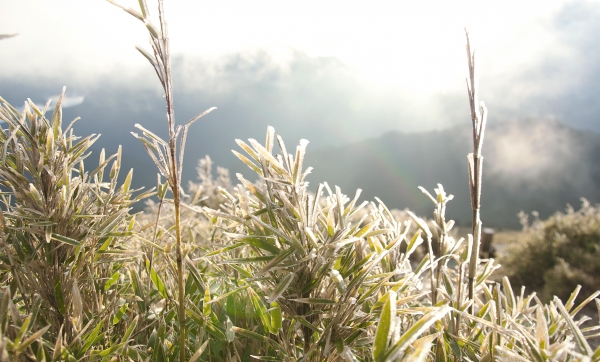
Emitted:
pixel 150 253
pixel 459 298
pixel 306 332
pixel 441 236
pixel 431 275
pixel 180 283
pixel 474 249
pixel 168 164
pixel 475 163
pixel 174 179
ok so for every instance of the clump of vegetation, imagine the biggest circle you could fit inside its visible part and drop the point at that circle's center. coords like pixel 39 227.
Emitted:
pixel 557 254
pixel 63 232
pixel 257 271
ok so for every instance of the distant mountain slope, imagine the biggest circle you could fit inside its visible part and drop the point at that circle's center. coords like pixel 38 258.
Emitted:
pixel 528 165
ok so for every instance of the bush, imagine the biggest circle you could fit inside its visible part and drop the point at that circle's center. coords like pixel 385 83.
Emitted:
pixel 63 232
pixel 557 254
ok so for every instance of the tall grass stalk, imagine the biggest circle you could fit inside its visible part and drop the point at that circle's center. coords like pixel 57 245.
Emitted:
pixel 475 159
pixel 170 158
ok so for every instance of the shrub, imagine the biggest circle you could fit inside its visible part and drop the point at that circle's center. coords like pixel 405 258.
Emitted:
pixel 557 254
pixel 63 229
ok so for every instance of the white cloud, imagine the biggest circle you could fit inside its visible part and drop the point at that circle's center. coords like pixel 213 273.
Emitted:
pixel 416 45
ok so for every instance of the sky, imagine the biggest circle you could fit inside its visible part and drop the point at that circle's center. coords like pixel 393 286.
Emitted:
pixel 413 45
pixel 333 72
pixel 330 71
pixel 404 62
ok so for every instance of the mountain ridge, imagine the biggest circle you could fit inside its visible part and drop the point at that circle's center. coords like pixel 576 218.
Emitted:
pixel 532 165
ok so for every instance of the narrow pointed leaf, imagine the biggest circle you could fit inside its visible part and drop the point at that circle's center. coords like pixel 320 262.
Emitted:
pixel 281 287
pixel 384 327
pixel 415 331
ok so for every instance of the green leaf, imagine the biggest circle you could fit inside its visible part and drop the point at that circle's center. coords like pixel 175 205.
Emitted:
pixel 314 301
pixel 269 157
pixel 129 330
pixel 227 295
pixel 127 182
pixel 281 287
pixel 278 259
pixel 249 334
pixel 158 283
pixel 571 301
pixel 298 160
pixel 65 240
pixel 330 223
pixel 421 352
pixel 113 279
pixel 255 241
pixel 510 296
pixel 109 350
pixel 260 309
pixel 356 266
pixel 596 355
pixel 206 306
pixel 415 331
pixel 32 339
pixel 120 313
pixel 384 328
pixel 227 248
pixel 366 228
pixel 585 302
pixel 24 328
pixel 291 240
pixel 276 318
pixel 58 295
pixel 306 323
pixel 250 260
pixel 138 289
pixel 91 338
